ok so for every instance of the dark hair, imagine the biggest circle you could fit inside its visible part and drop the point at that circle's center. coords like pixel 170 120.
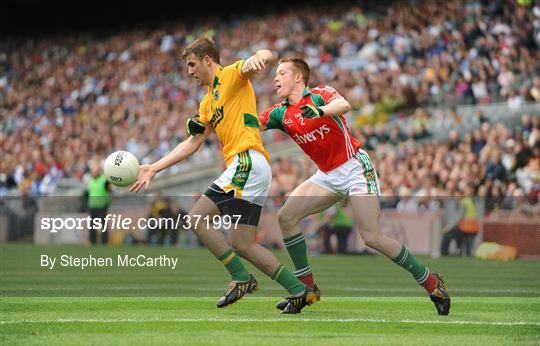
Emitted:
pixel 202 47
pixel 300 65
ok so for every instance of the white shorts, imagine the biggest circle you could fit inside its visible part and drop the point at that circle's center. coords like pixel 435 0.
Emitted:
pixel 356 176
pixel 249 175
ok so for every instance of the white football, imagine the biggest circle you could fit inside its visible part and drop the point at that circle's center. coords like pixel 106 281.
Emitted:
pixel 121 168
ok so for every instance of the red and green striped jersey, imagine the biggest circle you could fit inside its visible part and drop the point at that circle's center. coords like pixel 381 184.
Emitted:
pixel 326 140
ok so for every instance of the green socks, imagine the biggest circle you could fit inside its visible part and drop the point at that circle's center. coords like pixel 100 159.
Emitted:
pixel 406 260
pixel 285 278
pixel 282 275
pixel 234 265
pixel 297 249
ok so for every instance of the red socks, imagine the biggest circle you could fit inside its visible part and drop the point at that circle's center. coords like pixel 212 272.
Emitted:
pixel 431 283
pixel 307 280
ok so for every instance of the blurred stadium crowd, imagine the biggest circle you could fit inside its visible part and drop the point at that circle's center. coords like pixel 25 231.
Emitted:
pixel 68 99
pixel 493 162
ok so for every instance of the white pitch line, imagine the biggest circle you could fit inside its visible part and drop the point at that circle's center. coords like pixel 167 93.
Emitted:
pixel 252 320
pixel 276 289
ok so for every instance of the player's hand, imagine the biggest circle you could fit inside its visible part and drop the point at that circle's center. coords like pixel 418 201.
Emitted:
pixel 255 63
pixel 146 174
pixel 311 112
pixel 194 127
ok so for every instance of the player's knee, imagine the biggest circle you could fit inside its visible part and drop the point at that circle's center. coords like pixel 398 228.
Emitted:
pixel 286 219
pixel 373 240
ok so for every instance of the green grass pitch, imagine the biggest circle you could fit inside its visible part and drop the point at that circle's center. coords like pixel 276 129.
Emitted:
pixel 366 300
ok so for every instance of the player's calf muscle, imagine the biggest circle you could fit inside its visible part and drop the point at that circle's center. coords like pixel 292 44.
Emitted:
pixel 241 248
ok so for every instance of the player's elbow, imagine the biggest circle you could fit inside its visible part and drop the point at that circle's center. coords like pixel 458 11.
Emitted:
pixel 195 146
pixel 192 144
pixel 346 106
pixel 193 149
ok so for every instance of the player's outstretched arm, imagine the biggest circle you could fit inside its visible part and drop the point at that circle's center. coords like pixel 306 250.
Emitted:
pixel 178 154
pixel 257 62
pixel 336 107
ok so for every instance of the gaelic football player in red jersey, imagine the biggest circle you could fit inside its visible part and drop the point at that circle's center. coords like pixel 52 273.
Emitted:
pixel 313 117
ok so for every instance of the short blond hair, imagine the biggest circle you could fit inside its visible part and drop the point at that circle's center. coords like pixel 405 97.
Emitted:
pixel 202 47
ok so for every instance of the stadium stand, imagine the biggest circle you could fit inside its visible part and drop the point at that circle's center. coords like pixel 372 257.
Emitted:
pixel 67 99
